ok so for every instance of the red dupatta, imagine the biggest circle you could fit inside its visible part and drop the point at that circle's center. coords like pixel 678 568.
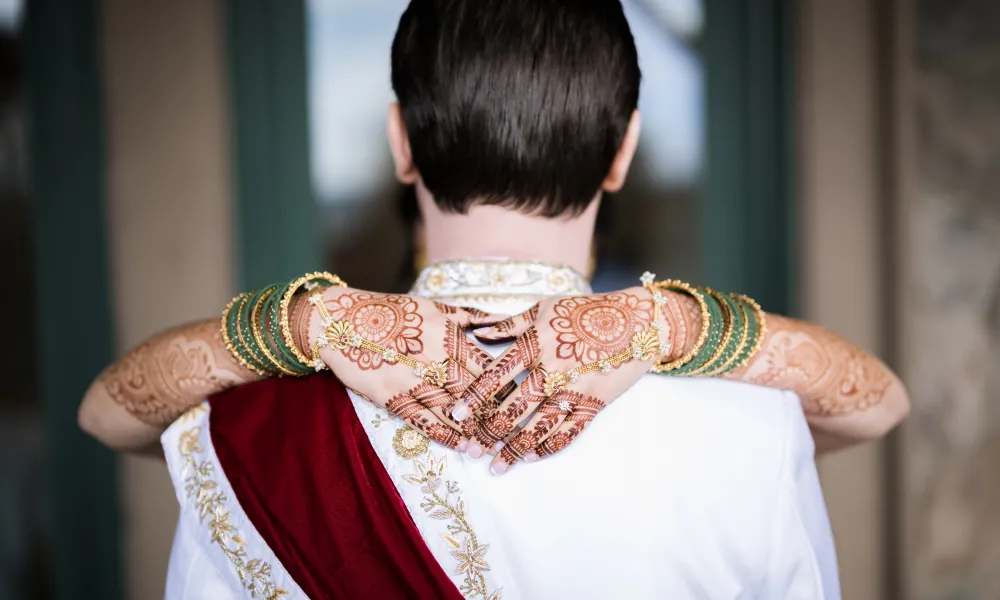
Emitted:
pixel 306 476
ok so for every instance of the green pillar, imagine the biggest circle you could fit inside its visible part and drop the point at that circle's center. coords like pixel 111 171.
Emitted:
pixel 74 329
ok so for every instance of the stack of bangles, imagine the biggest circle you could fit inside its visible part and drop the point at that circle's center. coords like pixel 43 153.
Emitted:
pixel 732 329
pixel 256 330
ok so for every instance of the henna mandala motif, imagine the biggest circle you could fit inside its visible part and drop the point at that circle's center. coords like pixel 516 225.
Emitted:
pixel 590 329
pixel 391 321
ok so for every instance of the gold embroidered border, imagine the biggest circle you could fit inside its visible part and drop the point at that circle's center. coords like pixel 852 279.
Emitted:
pixel 443 501
pixel 209 500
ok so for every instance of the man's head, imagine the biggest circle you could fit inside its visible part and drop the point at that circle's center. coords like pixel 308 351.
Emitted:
pixel 527 104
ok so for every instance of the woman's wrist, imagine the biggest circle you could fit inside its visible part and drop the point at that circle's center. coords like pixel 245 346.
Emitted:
pixel 683 315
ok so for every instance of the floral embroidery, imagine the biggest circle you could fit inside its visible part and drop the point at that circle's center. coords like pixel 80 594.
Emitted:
pixel 409 443
pixel 442 501
pixel 209 500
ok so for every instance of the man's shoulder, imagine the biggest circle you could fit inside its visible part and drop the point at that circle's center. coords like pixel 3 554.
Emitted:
pixel 724 425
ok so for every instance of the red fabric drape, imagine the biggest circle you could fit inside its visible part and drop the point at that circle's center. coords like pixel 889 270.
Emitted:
pixel 304 472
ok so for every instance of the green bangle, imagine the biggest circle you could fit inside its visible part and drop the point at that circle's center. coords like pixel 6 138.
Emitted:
pixel 728 323
pixel 735 343
pixel 260 332
pixel 245 330
pixel 272 316
pixel 756 328
pixel 229 337
pixel 712 341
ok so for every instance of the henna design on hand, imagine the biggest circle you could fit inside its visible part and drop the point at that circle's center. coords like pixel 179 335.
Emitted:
pixel 164 377
pixel 591 328
pixel 407 408
pixel 574 424
pixel 497 425
pixel 388 320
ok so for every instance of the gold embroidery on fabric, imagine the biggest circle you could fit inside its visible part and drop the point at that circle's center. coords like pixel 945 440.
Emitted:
pixel 408 443
pixel 254 574
pixel 465 547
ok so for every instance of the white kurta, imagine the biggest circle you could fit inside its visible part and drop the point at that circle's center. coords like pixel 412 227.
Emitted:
pixel 681 488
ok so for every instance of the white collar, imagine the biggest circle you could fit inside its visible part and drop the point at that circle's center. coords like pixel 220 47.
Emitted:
pixel 472 282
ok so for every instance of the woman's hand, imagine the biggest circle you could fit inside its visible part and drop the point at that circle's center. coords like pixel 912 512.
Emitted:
pixel 407 355
pixel 581 353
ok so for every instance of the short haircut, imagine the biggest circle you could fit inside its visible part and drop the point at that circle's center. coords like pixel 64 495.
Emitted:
pixel 519 103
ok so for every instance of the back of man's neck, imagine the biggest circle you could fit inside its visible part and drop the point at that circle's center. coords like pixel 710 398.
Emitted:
pixel 497 232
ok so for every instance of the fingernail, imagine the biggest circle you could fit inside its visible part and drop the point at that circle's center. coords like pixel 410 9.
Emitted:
pixel 482 330
pixel 461 411
pixel 463 445
pixel 475 450
pixel 500 467
pixel 530 457
pixel 498 447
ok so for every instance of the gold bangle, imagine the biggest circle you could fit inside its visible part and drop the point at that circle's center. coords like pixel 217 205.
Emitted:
pixel 229 342
pixel 726 366
pixel 761 330
pixel 286 301
pixel 674 285
pixel 728 322
pixel 256 329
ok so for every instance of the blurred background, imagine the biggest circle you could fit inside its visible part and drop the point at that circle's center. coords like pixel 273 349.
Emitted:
pixel 840 161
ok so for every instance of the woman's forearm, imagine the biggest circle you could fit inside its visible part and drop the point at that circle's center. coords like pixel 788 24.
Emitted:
pixel 848 395
pixel 136 398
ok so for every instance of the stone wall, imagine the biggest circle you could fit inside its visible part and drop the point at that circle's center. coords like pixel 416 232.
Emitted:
pixel 950 342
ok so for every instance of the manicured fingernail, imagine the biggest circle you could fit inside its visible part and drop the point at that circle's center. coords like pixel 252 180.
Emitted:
pixel 498 447
pixel 482 330
pixel 463 445
pixel 475 450
pixel 461 411
pixel 500 467
pixel 530 457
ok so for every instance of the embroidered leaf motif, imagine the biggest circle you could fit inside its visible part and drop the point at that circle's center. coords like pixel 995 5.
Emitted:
pixel 468 553
pixel 204 492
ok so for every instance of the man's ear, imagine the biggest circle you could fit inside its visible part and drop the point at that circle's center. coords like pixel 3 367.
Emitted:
pixel 399 144
pixel 623 161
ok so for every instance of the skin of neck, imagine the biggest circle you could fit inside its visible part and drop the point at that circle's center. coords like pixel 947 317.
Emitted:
pixel 487 231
